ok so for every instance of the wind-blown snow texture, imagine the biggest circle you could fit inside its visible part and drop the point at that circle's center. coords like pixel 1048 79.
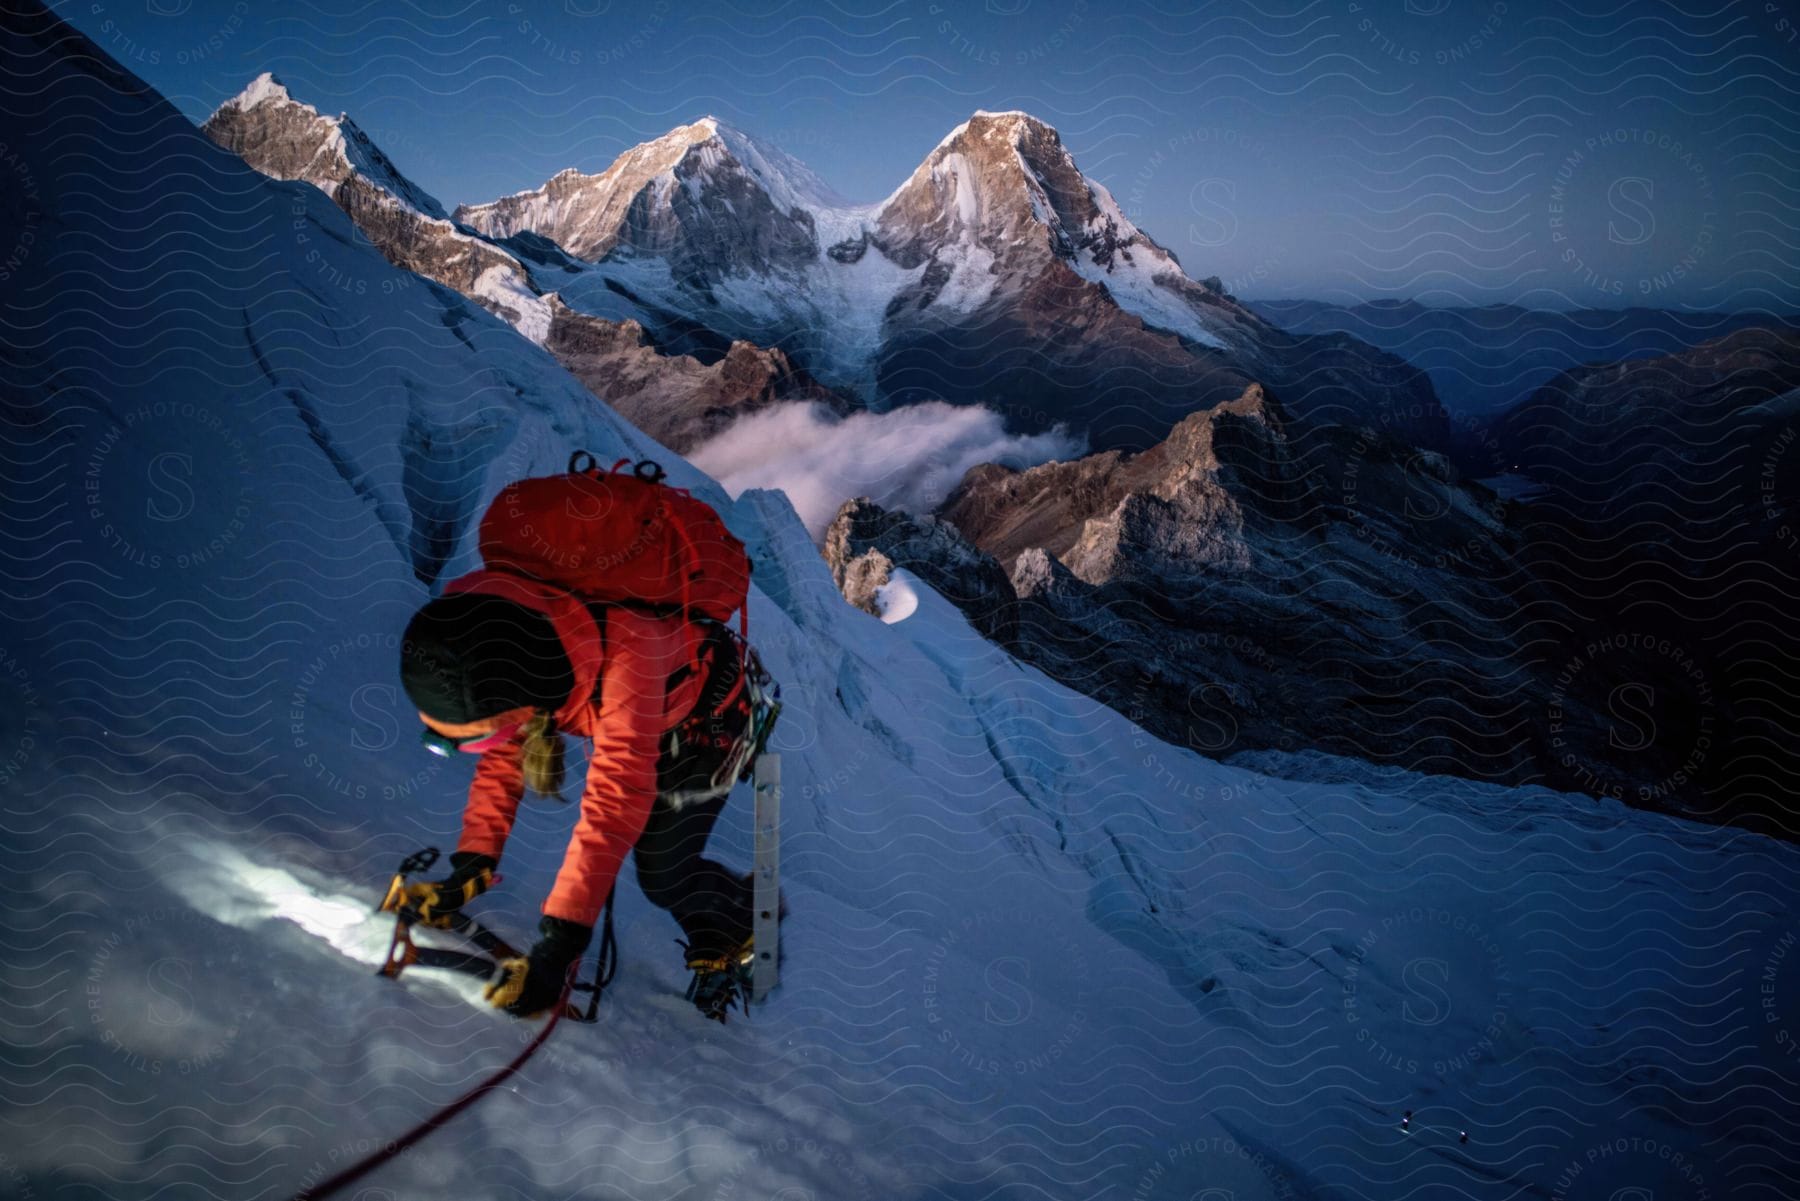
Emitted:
pixel 1033 952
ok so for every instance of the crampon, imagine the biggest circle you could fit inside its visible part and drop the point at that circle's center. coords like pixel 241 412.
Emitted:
pixel 721 984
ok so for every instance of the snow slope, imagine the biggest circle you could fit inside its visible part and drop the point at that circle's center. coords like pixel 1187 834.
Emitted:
pixel 1033 952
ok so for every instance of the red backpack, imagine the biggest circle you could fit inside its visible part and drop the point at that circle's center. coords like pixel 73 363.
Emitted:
pixel 625 537
pixel 621 536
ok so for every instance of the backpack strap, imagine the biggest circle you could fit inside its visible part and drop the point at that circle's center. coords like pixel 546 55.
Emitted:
pixel 597 611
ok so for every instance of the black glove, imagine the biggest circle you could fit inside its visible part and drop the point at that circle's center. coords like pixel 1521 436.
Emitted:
pixel 434 900
pixel 527 986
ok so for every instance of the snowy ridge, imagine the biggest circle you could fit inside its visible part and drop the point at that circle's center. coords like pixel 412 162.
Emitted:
pixel 272 130
pixel 975 207
pixel 343 146
pixel 369 162
pixel 584 213
pixel 789 181
pixel 1032 951
pixel 506 291
pixel 1144 279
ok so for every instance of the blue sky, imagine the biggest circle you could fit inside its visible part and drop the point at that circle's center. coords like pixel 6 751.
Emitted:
pixel 1603 153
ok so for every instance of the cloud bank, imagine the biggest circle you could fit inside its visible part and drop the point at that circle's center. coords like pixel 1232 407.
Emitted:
pixel 907 458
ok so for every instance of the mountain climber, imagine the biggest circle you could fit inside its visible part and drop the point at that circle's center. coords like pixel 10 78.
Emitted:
pixel 501 665
pixel 498 667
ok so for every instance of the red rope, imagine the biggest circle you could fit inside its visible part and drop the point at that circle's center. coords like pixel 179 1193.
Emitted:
pixel 375 1159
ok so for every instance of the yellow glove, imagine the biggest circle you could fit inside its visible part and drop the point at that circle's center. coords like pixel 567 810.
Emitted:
pixel 433 901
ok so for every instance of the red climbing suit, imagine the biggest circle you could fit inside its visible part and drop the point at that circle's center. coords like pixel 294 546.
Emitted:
pixel 625 719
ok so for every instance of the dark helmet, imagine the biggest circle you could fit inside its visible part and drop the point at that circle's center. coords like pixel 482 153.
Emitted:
pixel 472 655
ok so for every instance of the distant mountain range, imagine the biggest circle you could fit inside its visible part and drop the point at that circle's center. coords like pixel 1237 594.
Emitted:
pixel 996 274
pixel 1271 544
pixel 1485 360
pixel 674 390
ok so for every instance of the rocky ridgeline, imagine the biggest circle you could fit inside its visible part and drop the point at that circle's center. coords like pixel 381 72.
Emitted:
pixel 997 274
pixel 1252 583
pixel 679 399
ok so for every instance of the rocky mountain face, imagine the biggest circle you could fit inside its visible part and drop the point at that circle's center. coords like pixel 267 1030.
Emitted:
pixel 996 273
pixel 1064 307
pixel 1256 581
pixel 1183 493
pixel 865 543
pixel 295 141
pixel 1251 582
pixel 711 200
pixel 678 398
pixel 1664 521
pixel 285 139
pixel 1000 201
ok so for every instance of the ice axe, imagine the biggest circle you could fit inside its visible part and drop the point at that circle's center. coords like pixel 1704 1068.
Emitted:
pixel 403 952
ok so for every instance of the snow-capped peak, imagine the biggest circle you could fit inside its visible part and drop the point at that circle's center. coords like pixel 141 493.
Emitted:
pixel 263 88
pixel 789 182
pixel 588 214
pixel 294 140
pixel 1001 187
pixel 1010 121
pixel 691 134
